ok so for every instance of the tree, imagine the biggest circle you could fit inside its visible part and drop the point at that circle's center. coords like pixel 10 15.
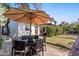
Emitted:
pixel 24 6
pixel 37 6
pixel 4 20
pixel 65 26
pixel 78 19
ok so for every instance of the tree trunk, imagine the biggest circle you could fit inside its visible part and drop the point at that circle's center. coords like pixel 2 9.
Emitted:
pixel 24 6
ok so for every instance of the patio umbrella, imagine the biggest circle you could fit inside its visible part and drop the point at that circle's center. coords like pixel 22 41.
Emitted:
pixel 27 16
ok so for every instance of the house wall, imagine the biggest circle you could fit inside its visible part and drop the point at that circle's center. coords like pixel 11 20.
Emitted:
pixel 18 29
pixel 13 27
pixel 22 31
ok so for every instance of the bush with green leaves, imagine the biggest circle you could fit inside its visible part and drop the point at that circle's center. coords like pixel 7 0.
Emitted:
pixel 60 30
pixel 1 41
pixel 54 30
pixel 49 30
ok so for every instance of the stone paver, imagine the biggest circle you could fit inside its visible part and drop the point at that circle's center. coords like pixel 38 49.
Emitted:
pixel 6 49
pixel 51 51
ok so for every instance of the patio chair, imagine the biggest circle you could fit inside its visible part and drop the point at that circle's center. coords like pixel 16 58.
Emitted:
pixel 30 40
pixel 35 36
pixel 39 46
pixel 24 37
pixel 44 38
pixel 19 48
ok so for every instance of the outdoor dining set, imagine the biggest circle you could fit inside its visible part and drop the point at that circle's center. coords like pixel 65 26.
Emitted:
pixel 28 46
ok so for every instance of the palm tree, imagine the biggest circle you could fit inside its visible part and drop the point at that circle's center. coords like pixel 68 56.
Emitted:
pixel 63 25
pixel 24 6
pixel 37 6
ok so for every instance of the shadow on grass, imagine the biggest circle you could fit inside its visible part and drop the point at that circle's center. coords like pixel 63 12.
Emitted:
pixel 58 45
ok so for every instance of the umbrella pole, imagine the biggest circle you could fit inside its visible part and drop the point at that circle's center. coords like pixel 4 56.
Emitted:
pixel 30 26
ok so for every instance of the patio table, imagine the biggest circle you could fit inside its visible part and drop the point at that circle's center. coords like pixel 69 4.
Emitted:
pixel 30 42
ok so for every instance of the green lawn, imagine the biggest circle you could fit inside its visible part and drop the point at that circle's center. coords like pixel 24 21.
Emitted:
pixel 62 40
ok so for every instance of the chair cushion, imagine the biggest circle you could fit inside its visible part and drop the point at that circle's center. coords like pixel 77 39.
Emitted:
pixel 19 45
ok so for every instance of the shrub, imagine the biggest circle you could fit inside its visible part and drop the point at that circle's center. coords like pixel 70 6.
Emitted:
pixel 54 30
pixel 1 41
pixel 50 30
pixel 60 30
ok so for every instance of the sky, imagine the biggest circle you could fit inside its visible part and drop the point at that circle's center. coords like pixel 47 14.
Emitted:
pixel 62 12
pixel 68 12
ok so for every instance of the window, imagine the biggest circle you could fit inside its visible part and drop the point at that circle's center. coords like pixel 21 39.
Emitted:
pixel 5 30
pixel 36 30
pixel 27 28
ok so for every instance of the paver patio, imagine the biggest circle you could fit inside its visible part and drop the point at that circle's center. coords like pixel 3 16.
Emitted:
pixel 51 51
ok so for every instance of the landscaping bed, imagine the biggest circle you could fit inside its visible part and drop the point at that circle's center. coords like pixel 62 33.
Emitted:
pixel 64 41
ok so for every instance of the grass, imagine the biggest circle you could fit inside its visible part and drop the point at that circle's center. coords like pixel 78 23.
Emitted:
pixel 65 41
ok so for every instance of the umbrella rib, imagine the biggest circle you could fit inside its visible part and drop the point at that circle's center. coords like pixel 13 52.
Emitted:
pixel 41 19
pixel 43 16
pixel 27 10
pixel 13 14
pixel 46 17
pixel 19 18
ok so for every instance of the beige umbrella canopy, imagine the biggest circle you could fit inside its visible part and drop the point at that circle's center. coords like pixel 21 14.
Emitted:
pixel 27 16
